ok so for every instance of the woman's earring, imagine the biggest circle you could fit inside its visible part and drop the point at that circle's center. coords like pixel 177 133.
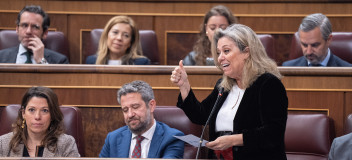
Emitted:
pixel 23 123
pixel 206 32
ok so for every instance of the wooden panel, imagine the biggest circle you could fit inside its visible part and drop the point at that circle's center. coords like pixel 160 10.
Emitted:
pixel 97 123
pixel 93 89
pixel 86 46
pixel 173 24
pixel 223 1
pixel 348 106
pixel 333 101
pixel 180 43
pixel 273 17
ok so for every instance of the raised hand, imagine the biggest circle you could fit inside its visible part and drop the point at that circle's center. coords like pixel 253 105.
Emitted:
pixel 179 77
pixel 36 45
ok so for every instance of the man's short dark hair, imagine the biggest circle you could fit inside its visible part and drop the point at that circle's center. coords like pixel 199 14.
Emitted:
pixel 37 10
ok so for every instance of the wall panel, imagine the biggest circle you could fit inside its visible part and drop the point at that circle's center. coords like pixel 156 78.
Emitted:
pixel 93 89
pixel 273 17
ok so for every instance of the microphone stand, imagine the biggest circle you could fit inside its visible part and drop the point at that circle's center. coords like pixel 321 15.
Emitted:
pixel 206 123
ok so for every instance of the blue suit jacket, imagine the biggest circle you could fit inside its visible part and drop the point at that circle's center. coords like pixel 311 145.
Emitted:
pixel 138 61
pixel 341 148
pixel 163 144
pixel 334 61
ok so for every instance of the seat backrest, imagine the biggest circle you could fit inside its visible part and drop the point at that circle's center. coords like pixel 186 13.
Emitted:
pixel 148 42
pixel 55 41
pixel 341 46
pixel 308 136
pixel 348 128
pixel 176 118
pixel 268 43
pixel 72 122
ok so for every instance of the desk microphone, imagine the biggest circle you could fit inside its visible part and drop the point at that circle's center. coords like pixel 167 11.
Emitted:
pixel 206 123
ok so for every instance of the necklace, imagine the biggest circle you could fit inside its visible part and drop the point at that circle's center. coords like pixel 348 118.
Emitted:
pixel 238 97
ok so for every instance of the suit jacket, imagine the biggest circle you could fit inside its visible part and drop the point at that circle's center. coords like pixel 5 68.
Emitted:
pixel 66 147
pixel 138 61
pixel 163 144
pixel 334 61
pixel 261 118
pixel 341 148
pixel 9 55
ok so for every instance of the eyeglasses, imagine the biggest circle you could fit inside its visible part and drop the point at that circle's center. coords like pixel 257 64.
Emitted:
pixel 26 25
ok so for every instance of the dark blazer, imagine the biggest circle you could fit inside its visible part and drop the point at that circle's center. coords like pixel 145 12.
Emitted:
pixel 9 55
pixel 334 61
pixel 138 61
pixel 163 144
pixel 261 118
pixel 66 147
pixel 341 148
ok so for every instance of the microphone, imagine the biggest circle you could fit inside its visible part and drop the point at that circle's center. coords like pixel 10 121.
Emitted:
pixel 206 123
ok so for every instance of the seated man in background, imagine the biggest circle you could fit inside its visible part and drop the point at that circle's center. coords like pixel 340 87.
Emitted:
pixel 32 28
pixel 143 137
pixel 341 148
pixel 315 34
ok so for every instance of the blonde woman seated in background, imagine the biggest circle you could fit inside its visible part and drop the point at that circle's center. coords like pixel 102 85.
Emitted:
pixel 38 130
pixel 119 44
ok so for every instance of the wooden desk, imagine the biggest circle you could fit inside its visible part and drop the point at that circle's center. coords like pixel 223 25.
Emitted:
pixel 93 88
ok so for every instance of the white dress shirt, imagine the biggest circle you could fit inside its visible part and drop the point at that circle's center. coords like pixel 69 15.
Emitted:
pixel 114 62
pixel 227 112
pixel 145 144
pixel 22 58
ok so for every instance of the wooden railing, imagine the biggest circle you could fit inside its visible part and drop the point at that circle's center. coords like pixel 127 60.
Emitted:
pixel 93 89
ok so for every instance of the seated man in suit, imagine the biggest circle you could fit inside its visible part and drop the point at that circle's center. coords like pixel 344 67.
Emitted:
pixel 32 27
pixel 341 148
pixel 315 37
pixel 143 137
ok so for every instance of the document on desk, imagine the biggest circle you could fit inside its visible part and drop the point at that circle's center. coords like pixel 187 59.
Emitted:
pixel 192 140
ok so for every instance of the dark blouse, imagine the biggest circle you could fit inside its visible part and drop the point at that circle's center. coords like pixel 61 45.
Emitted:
pixel 38 151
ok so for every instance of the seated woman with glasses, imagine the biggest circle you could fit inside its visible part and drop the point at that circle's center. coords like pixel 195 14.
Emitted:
pixel 38 130
pixel 217 17
pixel 119 44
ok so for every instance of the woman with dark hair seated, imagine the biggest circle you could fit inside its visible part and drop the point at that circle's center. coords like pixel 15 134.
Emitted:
pixel 38 130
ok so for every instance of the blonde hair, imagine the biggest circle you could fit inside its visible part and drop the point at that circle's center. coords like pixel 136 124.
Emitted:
pixel 257 63
pixel 135 51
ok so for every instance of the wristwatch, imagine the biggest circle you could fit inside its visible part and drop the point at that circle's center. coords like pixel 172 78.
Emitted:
pixel 43 61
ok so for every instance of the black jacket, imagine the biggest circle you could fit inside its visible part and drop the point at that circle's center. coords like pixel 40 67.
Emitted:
pixel 261 118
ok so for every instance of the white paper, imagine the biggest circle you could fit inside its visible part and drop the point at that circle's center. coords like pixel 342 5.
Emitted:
pixel 192 140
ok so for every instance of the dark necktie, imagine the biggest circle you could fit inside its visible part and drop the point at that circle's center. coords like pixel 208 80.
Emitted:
pixel 315 65
pixel 28 55
pixel 137 148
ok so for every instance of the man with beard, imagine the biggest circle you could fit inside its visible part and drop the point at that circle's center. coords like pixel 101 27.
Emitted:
pixel 315 37
pixel 143 137
pixel 32 28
